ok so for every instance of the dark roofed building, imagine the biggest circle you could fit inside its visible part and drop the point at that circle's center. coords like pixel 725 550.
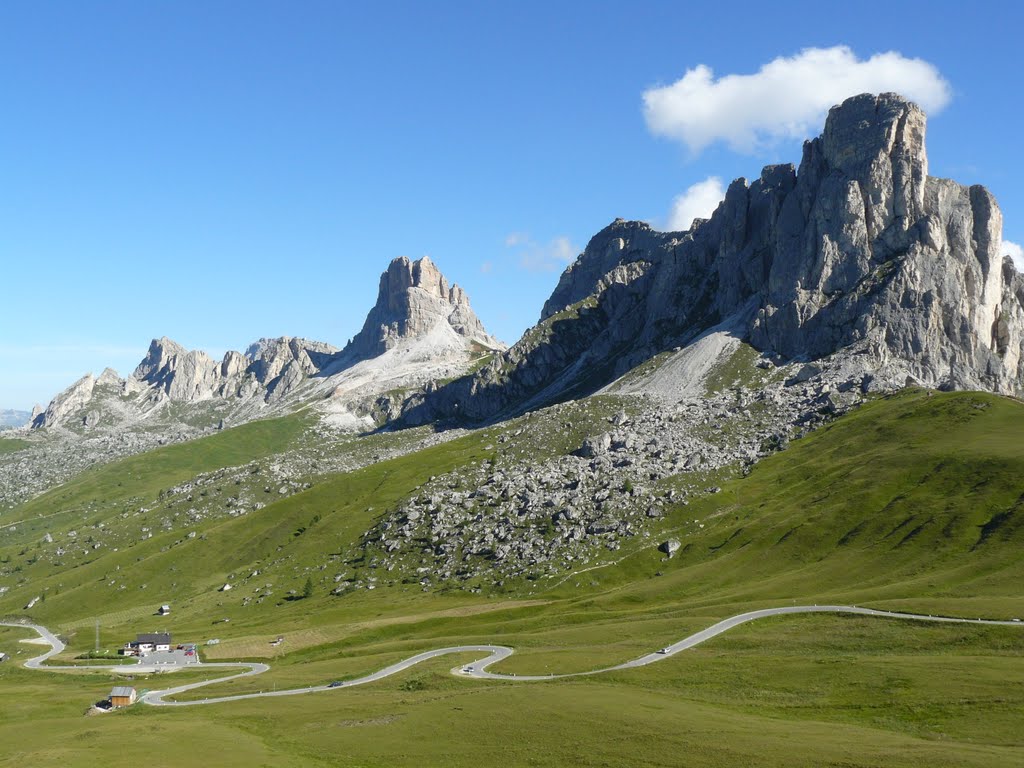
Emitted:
pixel 155 639
pixel 147 643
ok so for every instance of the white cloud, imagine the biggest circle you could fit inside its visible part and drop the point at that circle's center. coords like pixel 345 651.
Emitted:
pixel 697 202
pixel 552 256
pixel 1015 252
pixel 786 98
pixel 562 250
pixel 487 267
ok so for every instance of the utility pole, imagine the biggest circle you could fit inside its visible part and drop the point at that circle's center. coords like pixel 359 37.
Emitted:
pixel 97 635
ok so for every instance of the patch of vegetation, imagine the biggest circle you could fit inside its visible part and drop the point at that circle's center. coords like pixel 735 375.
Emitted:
pixel 811 524
pixel 737 370
pixel 12 445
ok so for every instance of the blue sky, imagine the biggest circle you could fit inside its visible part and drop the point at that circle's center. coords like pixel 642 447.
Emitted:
pixel 221 171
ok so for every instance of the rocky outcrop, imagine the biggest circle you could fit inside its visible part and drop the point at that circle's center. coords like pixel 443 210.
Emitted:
pixel 622 243
pixel 179 373
pixel 280 365
pixel 421 328
pixel 859 258
pixel 271 368
pixel 541 512
pixel 871 251
pixel 414 298
pixel 67 404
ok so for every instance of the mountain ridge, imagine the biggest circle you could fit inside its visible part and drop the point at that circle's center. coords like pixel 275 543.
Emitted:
pixel 415 306
pixel 13 418
pixel 859 262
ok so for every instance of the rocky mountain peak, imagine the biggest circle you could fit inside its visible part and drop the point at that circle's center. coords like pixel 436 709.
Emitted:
pixel 857 260
pixel 109 378
pixel 619 243
pixel 68 402
pixel 180 373
pixel 413 299
pixel 271 367
pixel 415 302
pixel 879 142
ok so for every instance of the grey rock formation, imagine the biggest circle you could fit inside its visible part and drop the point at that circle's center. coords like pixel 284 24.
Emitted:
pixel 532 511
pixel 624 242
pixel 859 261
pixel 271 368
pixel 181 374
pixel 871 251
pixel 413 300
pixel 428 323
pixel 670 547
pixel 68 403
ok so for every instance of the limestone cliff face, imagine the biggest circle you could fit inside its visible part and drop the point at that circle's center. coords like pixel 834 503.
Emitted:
pixel 870 250
pixel 179 373
pixel 414 298
pixel 426 324
pixel 271 368
pixel 859 254
pixel 67 403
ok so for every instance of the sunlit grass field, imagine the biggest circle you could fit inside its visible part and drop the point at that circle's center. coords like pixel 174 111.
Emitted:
pixel 912 502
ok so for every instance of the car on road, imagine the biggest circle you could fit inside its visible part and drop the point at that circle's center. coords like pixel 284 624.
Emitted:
pixel 336 684
pixel 664 650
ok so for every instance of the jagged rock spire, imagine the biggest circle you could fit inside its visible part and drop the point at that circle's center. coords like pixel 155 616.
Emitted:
pixel 414 299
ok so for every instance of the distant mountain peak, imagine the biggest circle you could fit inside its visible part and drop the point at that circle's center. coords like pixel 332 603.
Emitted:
pixel 10 417
pixel 412 300
pixel 423 321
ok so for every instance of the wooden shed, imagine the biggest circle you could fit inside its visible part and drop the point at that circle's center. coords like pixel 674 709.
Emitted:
pixel 122 696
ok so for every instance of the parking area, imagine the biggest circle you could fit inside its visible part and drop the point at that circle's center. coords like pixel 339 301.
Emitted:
pixel 178 658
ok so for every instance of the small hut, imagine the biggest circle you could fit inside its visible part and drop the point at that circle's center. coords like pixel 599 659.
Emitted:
pixel 122 696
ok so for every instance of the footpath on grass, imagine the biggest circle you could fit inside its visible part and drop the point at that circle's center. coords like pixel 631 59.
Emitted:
pixel 477 669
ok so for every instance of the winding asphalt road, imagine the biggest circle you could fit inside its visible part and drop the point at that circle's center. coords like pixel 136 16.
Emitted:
pixel 477 669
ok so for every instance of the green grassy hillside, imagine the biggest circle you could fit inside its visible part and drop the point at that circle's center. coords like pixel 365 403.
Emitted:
pixel 911 502
pixel 12 445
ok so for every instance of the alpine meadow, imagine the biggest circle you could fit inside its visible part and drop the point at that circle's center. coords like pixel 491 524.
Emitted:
pixel 747 491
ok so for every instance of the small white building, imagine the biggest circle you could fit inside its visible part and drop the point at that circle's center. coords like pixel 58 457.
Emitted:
pixel 164 610
pixel 147 643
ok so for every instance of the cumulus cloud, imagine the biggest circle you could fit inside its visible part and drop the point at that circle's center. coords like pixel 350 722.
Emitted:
pixel 552 256
pixel 1015 252
pixel 697 202
pixel 787 98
